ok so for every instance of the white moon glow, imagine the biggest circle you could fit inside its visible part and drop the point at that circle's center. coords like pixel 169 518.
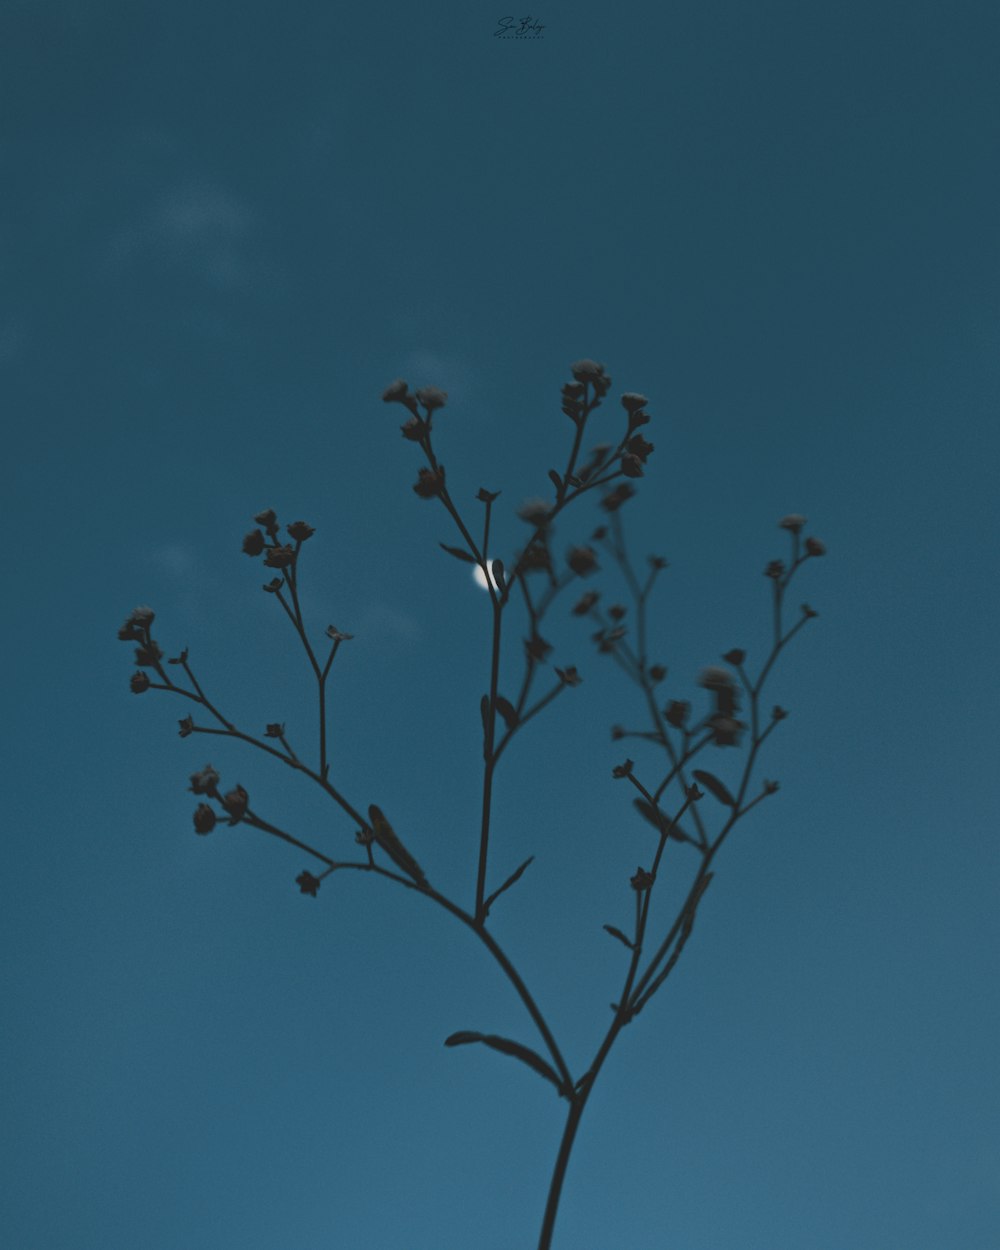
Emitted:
pixel 479 577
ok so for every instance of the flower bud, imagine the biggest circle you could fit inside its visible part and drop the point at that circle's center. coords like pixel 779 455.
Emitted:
pixel 642 880
pixel 432 397
pixel 395 392
pixel 139 683
pixel 205 782
pixel 793 522
pixel 236 802
pixel 657 672
pixel 569 676
pixel 582 560
pixel 186 727
pixel 814 547
pixel 414 429
pixel 280 557
pixel 204 819
pixel 775 569
pixel 735 657
pixel 149 655
pixel 632 401
pixel 587 370
pixel 269 519
pixel 274 730
pixel 429 483
pixel 622 770
pixel 631 465
pixel 676 712
pixel 254 543
pixel 307 883
pixel 617 612
pixel 638 446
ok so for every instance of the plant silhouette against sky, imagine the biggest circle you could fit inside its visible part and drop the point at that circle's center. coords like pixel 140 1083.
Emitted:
pixel 700 816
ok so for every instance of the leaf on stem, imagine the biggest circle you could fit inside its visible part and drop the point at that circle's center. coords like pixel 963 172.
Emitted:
pixel 388 840
pixel 514 876
pixel 555 479
pixel 714 786
pixel 506 710
pixel 507 1047
pixel 617 933
pixel 660 822
pixel 498 574
pixel 458 553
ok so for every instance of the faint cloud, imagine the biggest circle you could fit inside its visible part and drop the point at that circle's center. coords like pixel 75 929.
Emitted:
pixel 423 367
pixel 198 227
pixel 174 559
pixel 381 623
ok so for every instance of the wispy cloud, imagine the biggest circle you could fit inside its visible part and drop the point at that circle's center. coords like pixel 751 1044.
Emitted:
pixel 200 227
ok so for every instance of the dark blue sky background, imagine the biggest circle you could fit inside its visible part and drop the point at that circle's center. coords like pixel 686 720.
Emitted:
pixel 224 229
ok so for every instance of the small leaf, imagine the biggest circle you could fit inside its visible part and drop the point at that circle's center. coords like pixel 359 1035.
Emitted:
pixel 497 570
pixel 506 885
pixel 617 933
pixel 715 786
pixel 507 1047
pixel 506 710
pixel 458 553
pixel 661 823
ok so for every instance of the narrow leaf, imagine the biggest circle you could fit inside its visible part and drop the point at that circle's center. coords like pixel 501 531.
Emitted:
pixel 661 822
pixel 458 553
pixel 506 710
pixel 617 933
pixel 388 840
pixel 507 1047
pixel 497 570
pixel 712 783
pixel 506 885
pixel 555 479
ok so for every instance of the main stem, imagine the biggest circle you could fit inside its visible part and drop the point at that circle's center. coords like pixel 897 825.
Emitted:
pixel 491 716
pixel 559 1173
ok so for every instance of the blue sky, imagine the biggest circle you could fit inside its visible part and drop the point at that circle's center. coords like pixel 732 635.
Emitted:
pixel 224 230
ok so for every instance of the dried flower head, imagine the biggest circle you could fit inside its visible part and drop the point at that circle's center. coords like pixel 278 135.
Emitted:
pixel 617 732
pixel 364 837
pixel 414 429
pixel 280 557
pixel 536 512
pixel 587 370
pixel 735 657
pixel 186 727
pixel 254 543
pixel 536 648
pixel 775 569
pixel 715 678
pixel 642 880
pixel 307 883
pixel 640 447
pixel 205 782
pixel 815 548
pixel 273 586
pixel 275 730
pixel 622 770
pixel 617 612
pixel 632 465
pixel 726 730
pixel 300 531
pixel 657 672
pixel 143 616
pixel 148 656
pixel 614 499
pixel 204 819
pixel 793 522
pixel 269 519
pixel 582 560
pixel 235 802
pixel 677 712
pixel 395 392
pixel 807 611
pixel 139 683
pixel 778 713
pixel 337 635
pixel 569 676
pixel 429 483
pixel 432 397
pixel 632 401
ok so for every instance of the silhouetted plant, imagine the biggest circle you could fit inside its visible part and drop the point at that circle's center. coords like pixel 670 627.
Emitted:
pixel 538 578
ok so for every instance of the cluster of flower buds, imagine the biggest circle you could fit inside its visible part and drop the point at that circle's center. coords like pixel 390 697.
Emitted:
pixel 234 802
pixel 147 654
pixel 264 541
pixel 585 372
pixel 794 523
pixel 719 682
